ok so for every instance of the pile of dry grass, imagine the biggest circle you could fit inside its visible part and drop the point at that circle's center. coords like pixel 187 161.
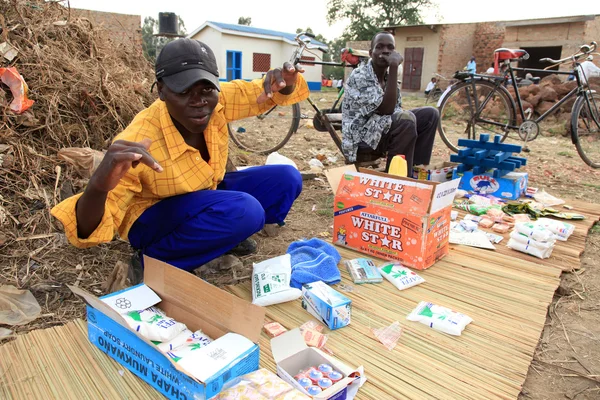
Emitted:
pixel 86 89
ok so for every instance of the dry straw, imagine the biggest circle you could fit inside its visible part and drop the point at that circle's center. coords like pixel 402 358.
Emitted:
pixel 86 90
pixel 507 297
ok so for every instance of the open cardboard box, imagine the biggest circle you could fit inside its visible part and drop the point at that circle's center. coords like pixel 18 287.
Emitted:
pixel 291 354
pixel 436 172
pixel 233 323
pixel 391 217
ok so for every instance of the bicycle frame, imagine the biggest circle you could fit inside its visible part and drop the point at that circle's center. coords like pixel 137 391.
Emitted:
pixel 500 80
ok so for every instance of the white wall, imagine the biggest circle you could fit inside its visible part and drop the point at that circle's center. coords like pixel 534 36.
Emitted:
pixel 280 52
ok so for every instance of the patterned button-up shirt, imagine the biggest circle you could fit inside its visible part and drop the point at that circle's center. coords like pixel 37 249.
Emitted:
pixel 360 122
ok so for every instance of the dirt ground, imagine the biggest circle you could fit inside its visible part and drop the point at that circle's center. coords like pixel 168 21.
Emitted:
pixel 567 361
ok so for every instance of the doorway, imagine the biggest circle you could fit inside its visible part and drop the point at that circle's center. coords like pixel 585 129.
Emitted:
pixel 413 68
pixel 535 53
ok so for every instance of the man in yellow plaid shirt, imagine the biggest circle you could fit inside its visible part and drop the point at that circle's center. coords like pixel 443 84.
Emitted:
pixel 162 184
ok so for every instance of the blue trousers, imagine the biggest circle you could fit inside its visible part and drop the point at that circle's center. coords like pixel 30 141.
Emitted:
pixel 192 229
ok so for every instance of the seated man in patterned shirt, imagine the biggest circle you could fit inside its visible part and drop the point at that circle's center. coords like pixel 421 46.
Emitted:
pixel 162 184
pixel 372 115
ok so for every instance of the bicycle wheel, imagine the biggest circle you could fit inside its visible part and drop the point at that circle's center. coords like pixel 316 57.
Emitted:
pixel 464 115
pixel 585 128
pixel 267 132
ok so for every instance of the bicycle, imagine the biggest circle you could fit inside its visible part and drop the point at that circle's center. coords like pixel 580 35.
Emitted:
pixel 482 102
pixel 263 134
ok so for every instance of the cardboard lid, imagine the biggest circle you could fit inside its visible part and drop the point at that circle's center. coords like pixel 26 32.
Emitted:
pixel 215 306
pixel 287 344
pixel 443 195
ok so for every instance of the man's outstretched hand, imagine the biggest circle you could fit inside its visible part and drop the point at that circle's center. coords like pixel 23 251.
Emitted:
pixel 282 80
pixel 120 157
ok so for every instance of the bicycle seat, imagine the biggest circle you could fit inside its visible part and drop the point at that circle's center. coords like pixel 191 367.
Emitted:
pixel 353 56
pixel 511 54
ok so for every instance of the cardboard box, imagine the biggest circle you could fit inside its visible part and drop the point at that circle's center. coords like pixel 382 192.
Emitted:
pixel 391 217
pixel 234 323
pixel 441 172
pixel 326 304
pixel 511 186
pixel 291 354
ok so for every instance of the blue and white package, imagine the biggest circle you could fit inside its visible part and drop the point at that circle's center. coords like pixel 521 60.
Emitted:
pixel 326 304
pixel 363 270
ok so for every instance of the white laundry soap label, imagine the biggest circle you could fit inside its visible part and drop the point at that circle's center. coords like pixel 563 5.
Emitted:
pixel 192 343
pixel 440 318
pixel 271 282
pixel 153 324
pixel 399 276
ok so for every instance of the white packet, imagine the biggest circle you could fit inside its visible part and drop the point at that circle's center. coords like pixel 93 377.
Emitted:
pixel 547 199
pixel 440 318
pixel 534 231
pixel 176 341
pixel 528 249
pixel 561 230
pixel 153 324
pixel 271 282
pixel 194 342
pixel 526 240
pixel 399 276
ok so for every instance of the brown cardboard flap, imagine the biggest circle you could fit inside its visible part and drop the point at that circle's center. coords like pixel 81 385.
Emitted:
pixel 335 174
pixel 190 293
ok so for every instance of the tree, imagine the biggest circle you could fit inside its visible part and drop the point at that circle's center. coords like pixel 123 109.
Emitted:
pixel 244 21
pixel 150 42
pixel 367 17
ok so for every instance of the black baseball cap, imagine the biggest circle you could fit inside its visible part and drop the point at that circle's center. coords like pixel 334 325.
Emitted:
pixel 184 62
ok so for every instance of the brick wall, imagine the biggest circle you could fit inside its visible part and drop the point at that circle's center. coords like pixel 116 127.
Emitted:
pixel 489 37
pixel 456 48
pixel 592 33
pixel 121 28
pixel 568 35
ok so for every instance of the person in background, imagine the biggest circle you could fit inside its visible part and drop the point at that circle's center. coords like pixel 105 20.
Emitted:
pixel 430 86
pixel 372 114
pixel 162 183
pixel 472 66
pixel 340 85
pixel 490 70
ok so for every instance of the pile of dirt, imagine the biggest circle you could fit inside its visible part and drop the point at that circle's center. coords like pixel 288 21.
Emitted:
pixel 541 97
pixel 86 89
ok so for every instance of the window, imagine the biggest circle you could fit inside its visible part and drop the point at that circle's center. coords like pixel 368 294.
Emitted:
pixel 261 62
pixel 304 60
pixel 234 65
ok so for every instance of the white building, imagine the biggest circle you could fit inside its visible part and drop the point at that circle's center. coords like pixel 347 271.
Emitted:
pixel 246 52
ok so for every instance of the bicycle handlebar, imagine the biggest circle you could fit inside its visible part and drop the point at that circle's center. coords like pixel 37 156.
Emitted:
pixel 584 50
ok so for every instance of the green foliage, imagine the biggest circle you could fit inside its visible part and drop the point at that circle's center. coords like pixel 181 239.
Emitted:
pixel 151 43
pixel 244 21
pixel 367 17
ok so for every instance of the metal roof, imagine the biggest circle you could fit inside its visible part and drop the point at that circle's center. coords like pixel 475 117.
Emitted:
pixel 252 31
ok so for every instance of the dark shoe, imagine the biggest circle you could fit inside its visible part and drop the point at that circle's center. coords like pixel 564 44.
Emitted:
pixel 245 248
pixel 135 274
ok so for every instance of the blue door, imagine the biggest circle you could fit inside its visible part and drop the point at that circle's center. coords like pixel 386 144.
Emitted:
pixel 234 65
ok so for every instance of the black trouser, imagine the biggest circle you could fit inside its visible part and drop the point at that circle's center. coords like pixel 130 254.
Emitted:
pixel 412 134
